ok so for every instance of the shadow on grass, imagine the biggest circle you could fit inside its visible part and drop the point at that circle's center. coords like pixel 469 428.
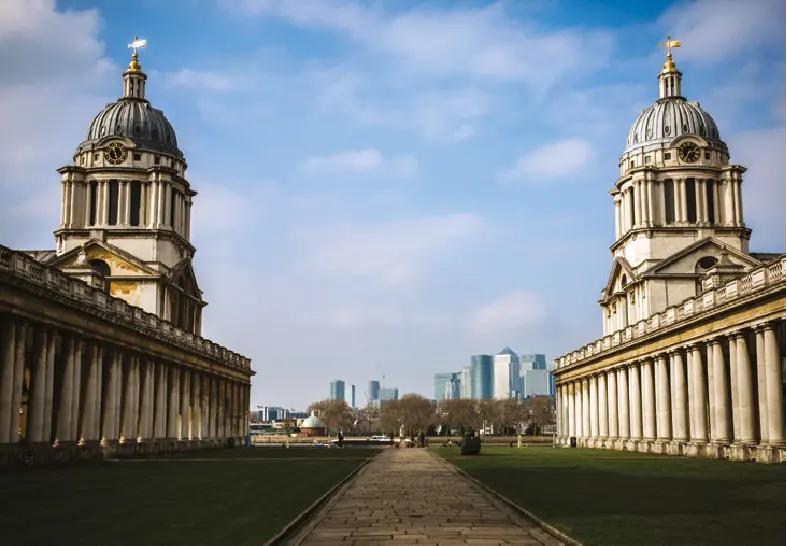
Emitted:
pixel 604 498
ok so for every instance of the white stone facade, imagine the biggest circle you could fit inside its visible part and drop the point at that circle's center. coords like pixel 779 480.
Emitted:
pixel 692 358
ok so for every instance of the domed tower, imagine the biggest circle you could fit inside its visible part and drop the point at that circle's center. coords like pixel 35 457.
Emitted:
pixel 678 207
pixel 126 207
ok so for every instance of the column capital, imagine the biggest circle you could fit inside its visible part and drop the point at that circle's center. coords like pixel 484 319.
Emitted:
pixel 763 326
pixel 737 334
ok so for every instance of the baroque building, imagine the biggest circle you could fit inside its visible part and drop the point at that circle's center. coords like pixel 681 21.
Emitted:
pixel 692 358
pixel 100 339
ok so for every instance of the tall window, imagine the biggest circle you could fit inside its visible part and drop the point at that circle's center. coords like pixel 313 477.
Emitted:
pixel 173 199
pixel 710 198
pixel 632 207
pixel 113 202
pixel 691 200
pixel 93 203
pixel 669 200
pixel 136 200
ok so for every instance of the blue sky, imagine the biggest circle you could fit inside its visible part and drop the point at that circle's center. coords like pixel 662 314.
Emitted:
pixel 390 187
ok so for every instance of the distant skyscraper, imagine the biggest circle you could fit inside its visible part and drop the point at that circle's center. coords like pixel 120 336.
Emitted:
pixel 389 394
pixel 352 396
pixel 481 376
pixel 534 362
pixel 337 389
pixel 374 390
pixel 442 383
pixel 506 374
pixel 453 387
pixel 465 383
pixel 535 382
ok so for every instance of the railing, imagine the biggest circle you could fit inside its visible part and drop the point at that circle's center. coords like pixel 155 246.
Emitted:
pixel 758 279
pixel 21 265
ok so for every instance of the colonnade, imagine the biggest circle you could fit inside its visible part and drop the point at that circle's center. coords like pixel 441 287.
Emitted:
pixel 60 389
pixel 726 391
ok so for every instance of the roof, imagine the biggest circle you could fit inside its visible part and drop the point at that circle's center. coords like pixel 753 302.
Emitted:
pixel 312 422
pixel 766 256
pixel 43 256
pixel 507 351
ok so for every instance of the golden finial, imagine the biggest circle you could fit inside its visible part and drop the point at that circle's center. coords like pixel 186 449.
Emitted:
pixel 134 65
pixel 669 66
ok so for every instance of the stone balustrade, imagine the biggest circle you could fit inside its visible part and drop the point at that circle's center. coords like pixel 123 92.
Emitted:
pixel 759 279
pixel 57 285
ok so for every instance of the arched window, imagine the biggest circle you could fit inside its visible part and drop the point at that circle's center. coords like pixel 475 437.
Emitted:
pixel 704 264
pixel 101 267
pixel 623 281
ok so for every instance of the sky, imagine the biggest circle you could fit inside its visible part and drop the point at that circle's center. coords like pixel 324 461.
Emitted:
pixel 388 187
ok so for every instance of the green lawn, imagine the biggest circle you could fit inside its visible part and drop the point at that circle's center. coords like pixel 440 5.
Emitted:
pixel 609 497
pixel 241 497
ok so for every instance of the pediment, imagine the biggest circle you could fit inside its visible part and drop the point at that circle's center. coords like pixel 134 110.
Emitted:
pixel 183 276
pixel 620 267
pixel 687 261
pixel 120 262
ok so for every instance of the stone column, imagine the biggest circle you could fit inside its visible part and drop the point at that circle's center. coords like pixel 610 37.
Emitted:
pixel 680 399
pixel 612 403
pixel 185 406
pixel 624 423
pixel 35 422
pixel 635 397
pixel 89 410
pixel 648 401
pixel 196 389
pixel 773 377
pixel 593 394
pixel 603 417
pixel 148 401
pixel 162 392
pixel 8 343
pixel 64 411
pixel 173 404
pixel 761 383
pixel 111 415
pixel 76 390
pixel 721 399
pixel 663 403
pixel 127 434
pixel 585 408
pixel 699 399
pixel 745 388
pixel 578 408
pixel 135 392
pixel 571 412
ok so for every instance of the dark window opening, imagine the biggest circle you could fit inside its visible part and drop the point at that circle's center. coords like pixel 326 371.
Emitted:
pixel 93 203
pixel 632 208
pixel 707 155
pixel 137 157
pixel 691 201
pixel 101 267
pixel 156 160
pixel 647 160
pixel 706 262
pixel 136 200
pixel 710 198
pixel 113 202
pixel 667 155
pixel 669 201
pixel 172 208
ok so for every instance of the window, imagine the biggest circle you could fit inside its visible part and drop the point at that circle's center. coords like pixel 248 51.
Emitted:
pixel 707 155
pixel 93 203
pixel 632 164
pixel 172 201
pixel 710 198
pixel 136 199
pixel 669 201
pixel 96 157
pixel 137 157
pixel 691 200
pixel 706 262
pixel 632 208
pixel 667 155
pixel 113 202
pixel 156 160
pixel 647 160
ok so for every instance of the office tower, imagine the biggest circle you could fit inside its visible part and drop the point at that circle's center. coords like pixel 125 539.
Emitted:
pixel 337 389
pixel 465 383
pixel 391 393
pixel 352 396
pixel 442 382
pixel 481 376
pixel 374 390
pixel 534 362
pixel 453 387
pixel 506 374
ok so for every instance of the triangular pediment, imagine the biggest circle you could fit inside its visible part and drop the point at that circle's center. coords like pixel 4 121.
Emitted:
pixel 687 261
pixel 183 276
pixel 120 262
pixel 620 267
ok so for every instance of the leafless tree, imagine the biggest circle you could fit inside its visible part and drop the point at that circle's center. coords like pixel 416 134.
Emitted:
pixel 336 414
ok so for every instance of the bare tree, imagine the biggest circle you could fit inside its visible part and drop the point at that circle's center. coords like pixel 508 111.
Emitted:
pixel 540 412
pixel 416 412
pixel 459 413
pixel 336 414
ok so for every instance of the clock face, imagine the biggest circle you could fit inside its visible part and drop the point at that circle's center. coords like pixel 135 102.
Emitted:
pixel 115 153
pixel 689 152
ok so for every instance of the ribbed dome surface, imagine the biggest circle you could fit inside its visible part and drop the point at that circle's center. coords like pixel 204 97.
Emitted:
pixel 312 422
pixel 669 118
pixel 137 120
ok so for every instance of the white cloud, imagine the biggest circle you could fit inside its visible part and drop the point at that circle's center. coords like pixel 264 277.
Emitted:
pixel 507 316
pixel 198 79
pixel 553 160
pixel 388 254
pixel 713 30
pixel 359 161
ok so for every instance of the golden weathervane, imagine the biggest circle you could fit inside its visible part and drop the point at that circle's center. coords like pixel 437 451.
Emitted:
pixel 669 44
pixel 135 45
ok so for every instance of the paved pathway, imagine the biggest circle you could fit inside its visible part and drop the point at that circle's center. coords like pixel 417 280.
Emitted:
pixel 407 496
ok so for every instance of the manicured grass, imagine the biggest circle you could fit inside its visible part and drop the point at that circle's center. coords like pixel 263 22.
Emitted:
pixel 608 497
pixel 239 497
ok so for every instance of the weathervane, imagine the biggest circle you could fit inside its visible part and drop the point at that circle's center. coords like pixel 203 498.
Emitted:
pixel 135 45
pixel 669 44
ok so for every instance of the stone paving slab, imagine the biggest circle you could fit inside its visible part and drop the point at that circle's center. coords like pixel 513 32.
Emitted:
pixel 407 496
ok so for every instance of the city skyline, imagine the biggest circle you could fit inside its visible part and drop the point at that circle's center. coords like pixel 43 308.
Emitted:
pixel 356 188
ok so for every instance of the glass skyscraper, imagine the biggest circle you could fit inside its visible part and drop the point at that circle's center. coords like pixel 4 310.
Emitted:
pixel 441 381
pixel 374 390
pixel 337 389
pixel 481 376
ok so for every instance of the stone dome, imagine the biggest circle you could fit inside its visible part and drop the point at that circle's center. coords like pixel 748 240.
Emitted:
pixel 670 118
pixel 135 119
pixel 312 422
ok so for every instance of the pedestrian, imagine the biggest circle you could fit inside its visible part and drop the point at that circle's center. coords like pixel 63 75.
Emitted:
pixel 341 439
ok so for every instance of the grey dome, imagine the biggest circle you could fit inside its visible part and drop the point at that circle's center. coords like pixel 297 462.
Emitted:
pixel 135 119
pixel 670 118
pixel 312 422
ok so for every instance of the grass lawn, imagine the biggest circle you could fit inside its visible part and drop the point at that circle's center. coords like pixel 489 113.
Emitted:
pixel 241 497
pixel 609 497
